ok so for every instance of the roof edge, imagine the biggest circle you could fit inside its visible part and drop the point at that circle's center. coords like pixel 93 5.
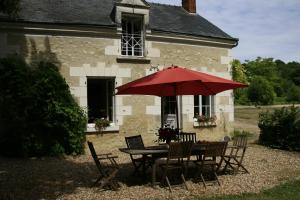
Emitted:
pixel 196 35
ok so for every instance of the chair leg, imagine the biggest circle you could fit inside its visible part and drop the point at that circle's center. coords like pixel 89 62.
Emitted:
pixel 203 180
pixel 102 183
pixel 220 163
pixel 98 179
pixel 108 180
pixel 136 167
pixel 226 165
pixel 217 178
pixel 169 185
pixel 115 185
pixel 163 177
pixel 186 186
pixel 242 166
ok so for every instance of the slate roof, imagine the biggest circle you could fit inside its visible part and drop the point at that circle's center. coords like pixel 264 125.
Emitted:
pixel 165 18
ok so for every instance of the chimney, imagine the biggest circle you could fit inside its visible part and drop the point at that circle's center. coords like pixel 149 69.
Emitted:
pixel 189 5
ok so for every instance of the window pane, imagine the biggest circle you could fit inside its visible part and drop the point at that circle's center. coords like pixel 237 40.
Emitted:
pixel 169 105
pixel 196 105
pixel 205 100
pixel 205 105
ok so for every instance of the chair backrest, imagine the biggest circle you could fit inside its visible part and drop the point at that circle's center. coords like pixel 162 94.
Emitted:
pixel 135 142
pixel 215 149
pixel 94 155
pixel 175 150
pixel 180 150
pixel 92 150
pixel 240 141
pixel 185 137
pixel 186 149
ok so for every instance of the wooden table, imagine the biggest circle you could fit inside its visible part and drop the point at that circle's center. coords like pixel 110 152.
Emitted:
pixel 157 152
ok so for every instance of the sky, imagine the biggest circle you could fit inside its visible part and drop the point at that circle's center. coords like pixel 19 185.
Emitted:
pixel 265 28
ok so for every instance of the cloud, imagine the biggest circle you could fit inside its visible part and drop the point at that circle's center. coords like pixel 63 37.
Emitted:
pixel 265 28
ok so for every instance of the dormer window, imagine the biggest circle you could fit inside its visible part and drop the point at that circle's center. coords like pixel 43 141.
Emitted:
pixel 132 42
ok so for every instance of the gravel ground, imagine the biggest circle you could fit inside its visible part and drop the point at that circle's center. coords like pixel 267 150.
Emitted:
pixel 71 178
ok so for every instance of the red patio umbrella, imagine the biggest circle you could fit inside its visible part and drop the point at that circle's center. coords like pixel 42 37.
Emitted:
pixel 174 81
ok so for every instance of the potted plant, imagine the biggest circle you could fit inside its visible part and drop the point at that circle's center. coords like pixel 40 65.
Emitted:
pixel 205 121
pixel 101 124
pixel 168 134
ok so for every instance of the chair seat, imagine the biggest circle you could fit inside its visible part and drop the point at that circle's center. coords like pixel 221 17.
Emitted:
pixel 232 156
pixel 172 164
pixel 206 162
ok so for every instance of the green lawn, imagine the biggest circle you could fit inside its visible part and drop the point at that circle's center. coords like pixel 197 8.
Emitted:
pixel 287 191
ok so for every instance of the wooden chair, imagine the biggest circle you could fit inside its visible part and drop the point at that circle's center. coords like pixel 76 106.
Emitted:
pixel 185 137
pixel 178 158
pixel 235 158
pixel 136 142
pixel 212 150
pixel 107 172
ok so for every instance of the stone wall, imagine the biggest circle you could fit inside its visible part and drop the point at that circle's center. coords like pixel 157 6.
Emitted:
pixel 80 57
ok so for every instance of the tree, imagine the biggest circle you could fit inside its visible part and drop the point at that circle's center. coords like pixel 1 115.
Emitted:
pixel 239 74
pixel 260 91
pixel 293 93
pixel 10 7
pixel 264 67
pixel 238 71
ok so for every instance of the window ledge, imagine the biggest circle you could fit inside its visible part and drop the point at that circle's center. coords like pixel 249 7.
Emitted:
pixel 204 124
pixel 133 59
pixel 112 128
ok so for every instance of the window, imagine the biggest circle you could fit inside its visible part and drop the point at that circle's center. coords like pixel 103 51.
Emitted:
pixel 132 43
pixel 100 98
pixel 204 105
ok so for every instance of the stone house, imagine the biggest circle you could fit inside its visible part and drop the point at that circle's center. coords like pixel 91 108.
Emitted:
pixel 102 44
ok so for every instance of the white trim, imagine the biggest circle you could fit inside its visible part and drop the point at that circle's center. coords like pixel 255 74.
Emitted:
pixel 91 128
pixel 192 45
pixel 230 43
pixel 200 106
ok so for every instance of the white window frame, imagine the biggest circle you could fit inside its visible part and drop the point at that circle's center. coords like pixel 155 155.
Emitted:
pixel 200 107
pixel 133 43
pixel 113 111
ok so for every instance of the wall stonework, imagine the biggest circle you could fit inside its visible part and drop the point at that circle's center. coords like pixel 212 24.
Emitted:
pixel 81 57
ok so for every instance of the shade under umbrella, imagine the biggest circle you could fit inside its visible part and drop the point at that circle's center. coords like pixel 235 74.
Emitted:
pixel 174 81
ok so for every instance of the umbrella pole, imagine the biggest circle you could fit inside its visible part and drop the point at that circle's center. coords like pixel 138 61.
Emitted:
pixel 176 110
pixel 176 107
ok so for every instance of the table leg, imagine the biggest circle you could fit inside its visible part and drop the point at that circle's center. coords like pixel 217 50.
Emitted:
pixel 144 165
pixel 154 172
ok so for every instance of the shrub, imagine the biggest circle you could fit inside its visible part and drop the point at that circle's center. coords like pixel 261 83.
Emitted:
pixel 280 128
pixel 237 133
pixel 38 115
pixel 261 92
pixel 293 93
